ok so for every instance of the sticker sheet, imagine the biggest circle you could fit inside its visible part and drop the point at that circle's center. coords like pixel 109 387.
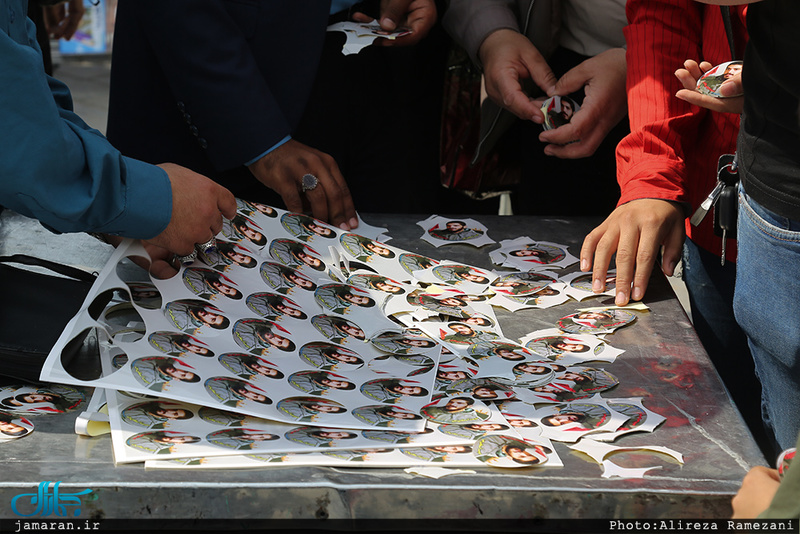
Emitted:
pixel 297 343
pixel 144 428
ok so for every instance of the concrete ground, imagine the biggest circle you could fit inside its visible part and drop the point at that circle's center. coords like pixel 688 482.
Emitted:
pixel 88 78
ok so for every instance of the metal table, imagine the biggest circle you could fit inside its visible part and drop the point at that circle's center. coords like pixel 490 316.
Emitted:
pixel 663 362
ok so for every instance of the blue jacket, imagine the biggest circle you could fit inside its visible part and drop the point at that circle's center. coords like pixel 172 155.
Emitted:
pixel 53 166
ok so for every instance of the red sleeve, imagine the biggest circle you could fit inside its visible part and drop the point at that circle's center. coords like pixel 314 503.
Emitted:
pixel 661 35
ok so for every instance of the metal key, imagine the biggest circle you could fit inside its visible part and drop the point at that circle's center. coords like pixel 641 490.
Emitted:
pixel 726 176
pixel 727 214
pixel 706 205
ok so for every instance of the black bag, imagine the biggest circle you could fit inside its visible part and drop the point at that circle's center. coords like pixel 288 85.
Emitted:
pixel 34 309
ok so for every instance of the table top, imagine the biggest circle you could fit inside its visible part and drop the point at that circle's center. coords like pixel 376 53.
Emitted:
pixel 663 362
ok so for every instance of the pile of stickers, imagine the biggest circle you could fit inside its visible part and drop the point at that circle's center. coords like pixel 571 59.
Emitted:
pixel 294 342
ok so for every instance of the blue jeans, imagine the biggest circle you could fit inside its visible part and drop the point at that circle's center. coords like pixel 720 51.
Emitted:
pixel 767 306
pixel 710 287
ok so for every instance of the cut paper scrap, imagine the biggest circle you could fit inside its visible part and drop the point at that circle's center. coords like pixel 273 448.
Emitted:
pixel 601 451
pixel 552 295
pixel 612 470
pixel 525 254
pixel 571 421
pixel 569 349
pixel 362 34
pixel 377 233
pixel 640 419
pixel 600 321
pixel 437 472
pixel 443 231
pixel 94 420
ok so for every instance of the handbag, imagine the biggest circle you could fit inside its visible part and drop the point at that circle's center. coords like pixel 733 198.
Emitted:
pixel 494 173
pixel 34 310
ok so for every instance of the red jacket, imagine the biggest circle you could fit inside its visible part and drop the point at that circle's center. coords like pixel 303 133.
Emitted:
pixel 672 150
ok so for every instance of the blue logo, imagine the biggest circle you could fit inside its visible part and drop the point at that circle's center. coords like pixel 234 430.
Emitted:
pixel 44 503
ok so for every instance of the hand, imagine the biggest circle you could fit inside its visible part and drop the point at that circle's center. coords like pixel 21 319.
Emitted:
pixel 62 20
pixel 282 170
pixel 635 231
pixel 605 103
pixel 162 265
pixel 731 89
pixel 508 57
pixel 758 489
pixel 198 205
pixel 417 15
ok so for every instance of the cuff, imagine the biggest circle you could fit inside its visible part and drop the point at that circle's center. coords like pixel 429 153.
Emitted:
pixel 276 145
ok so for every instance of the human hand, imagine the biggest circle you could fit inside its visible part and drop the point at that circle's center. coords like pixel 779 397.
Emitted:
pixel 282 170
pixel 635 231
pixel 417 15
pixel 758 489
pixel 605 103
pixel 162 264
pixel 62 20
pixel 731 89
pixel 508 57
pixel 198 205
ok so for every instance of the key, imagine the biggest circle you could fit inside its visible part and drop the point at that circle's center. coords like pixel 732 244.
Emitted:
pixel 706 205
pixel 727 214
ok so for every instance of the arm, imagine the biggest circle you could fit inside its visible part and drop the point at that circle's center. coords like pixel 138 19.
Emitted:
pixel 469 22
pixel 650 161
pixel 60 171
pixel 225 68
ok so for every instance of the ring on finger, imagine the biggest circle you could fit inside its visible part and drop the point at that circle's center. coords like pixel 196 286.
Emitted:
pixel 207 247
pixel 188 259
pixel 308 182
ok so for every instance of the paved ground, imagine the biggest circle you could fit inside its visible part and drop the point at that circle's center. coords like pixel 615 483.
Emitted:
pixel 88 80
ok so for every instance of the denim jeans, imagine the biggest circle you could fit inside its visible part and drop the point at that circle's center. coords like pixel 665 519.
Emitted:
pixel 767 306
pixel 710 287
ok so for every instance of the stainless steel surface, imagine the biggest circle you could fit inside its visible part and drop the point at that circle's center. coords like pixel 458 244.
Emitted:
pixel 663 362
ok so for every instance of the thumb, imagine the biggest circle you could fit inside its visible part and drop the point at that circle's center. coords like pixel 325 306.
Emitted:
pixel 570 82
pixel 392 12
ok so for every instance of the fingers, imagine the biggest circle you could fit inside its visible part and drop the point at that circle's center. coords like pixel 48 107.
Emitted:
pixel 720 105
pixel 635 231
pixel 509 94
pixel 283 170
pixel 392 13
pixel 331 200
pixel 539 70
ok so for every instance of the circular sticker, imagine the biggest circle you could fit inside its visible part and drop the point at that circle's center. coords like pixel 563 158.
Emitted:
pixel 558 111
pixel 506 451
pixel 710 82
pixel 459 410
pixel 521 284
pixel 402 342
pixel 595 321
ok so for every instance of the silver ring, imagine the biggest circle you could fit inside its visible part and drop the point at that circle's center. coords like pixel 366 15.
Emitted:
pixel 309 182
pixel 208 246
pixel 188 259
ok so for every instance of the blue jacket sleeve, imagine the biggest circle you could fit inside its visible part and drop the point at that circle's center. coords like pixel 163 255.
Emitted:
pixel 55 168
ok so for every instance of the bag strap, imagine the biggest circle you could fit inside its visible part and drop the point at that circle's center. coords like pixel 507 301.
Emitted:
pixel 65 270
pixel 726 20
